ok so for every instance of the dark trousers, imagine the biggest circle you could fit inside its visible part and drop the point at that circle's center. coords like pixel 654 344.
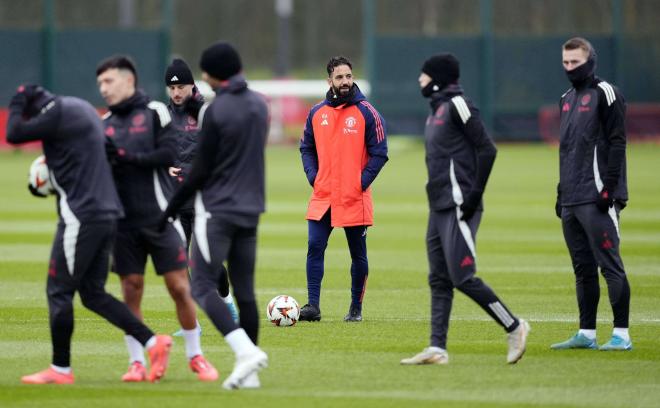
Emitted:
pixel 318 235
pixel 592 238
pixel 79 262
pixel 450 245
pixel 187 218
pixel 219 239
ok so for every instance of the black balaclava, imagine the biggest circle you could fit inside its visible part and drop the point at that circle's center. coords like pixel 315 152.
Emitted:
pixel 444 69
pixel 581 74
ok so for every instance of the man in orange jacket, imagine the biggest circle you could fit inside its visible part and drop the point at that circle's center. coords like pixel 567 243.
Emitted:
pixel 343 148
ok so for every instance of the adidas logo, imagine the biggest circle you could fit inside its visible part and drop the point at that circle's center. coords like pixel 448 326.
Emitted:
pixel 324 123
pixel 174 78
pixel 467 261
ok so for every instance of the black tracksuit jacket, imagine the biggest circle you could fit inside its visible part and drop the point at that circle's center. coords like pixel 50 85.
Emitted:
pixel 459 152
pixel 229 169
pixel 144 136
pixel 592 144
pixel 73 143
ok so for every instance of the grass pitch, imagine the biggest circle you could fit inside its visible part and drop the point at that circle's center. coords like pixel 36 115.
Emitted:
pixel 521 255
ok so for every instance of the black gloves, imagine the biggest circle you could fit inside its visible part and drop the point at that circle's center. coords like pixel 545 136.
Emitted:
pixel 604 200
pixel 117 154
pixel 194 103
pixel 111 150
pixel 34 192
pixel 24 95
pixel 558 203
pixel 470 204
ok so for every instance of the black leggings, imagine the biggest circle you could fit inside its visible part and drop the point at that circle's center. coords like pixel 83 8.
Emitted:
pixel 218 240
pixel 187 218
pixel 79 262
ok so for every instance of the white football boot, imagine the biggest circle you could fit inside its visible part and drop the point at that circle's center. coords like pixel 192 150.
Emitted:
pixel 252 381
pixel 245 365
pixel 430 355
pixel 517 340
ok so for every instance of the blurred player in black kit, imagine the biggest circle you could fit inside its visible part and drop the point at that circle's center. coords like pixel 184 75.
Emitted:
pixel 141 145
pixel 88 209
pixel 184 105
pixel 227 180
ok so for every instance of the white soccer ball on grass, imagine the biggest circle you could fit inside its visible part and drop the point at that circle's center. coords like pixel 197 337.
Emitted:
pixel 283 310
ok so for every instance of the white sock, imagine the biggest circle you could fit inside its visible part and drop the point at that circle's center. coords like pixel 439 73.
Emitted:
pixel 437 349
pixel 228 299
pixel 150 343
pixel 61 370
pixel 588 333
pixel 621 332
pixel 193 346
pixel 135 350
pixel 239 341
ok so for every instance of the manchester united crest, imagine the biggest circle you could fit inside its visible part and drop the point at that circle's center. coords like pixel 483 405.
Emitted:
pixel 138 120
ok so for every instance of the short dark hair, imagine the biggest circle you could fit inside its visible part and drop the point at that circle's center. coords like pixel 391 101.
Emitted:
pixel 118 62
pixel 579 42
pixel 337 61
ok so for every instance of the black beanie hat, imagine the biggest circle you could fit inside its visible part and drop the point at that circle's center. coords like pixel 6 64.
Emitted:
pixel 442 68
pixel 178 73
pixel 221 61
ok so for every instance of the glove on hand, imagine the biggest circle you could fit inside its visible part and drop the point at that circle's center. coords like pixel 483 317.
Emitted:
pixel 24 95
pixel 117 154
pixel 470 205
pixel 605 200
pixel 558 207
pixel 35 192
pixel 193 104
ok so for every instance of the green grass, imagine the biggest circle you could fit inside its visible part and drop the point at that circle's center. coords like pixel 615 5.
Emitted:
pixel 521 255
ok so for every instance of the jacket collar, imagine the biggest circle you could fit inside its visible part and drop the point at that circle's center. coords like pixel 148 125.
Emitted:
pixel 355 96
pixel 138 100
pixel 445 94
pixel 234 84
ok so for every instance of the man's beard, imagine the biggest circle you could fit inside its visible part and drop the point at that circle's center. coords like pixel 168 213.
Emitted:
pixel 341 91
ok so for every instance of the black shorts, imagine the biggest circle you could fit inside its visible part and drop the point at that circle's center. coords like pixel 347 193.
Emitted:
pixel 167 249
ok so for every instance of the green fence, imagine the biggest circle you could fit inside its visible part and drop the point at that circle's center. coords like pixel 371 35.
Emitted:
pixel 523 75
pixel 510 52
pixel 76 53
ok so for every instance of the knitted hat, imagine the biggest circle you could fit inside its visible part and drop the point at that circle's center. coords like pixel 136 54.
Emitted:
pixel 221 61
pixel 178 73
pixel 442 68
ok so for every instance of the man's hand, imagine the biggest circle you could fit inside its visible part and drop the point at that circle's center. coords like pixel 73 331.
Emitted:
pixel 194 103
pixel 24 95
pixel 558 203
pixel 470 205
pixel 35 192
pixel 174 171
pixel 111 150
pixel 117 154
pixel 605 200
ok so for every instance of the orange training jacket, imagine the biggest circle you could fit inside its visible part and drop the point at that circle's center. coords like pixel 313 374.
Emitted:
pixel 343 148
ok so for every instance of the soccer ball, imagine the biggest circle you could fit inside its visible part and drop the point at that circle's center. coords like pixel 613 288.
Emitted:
pixel 39 177
pixel 283 310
